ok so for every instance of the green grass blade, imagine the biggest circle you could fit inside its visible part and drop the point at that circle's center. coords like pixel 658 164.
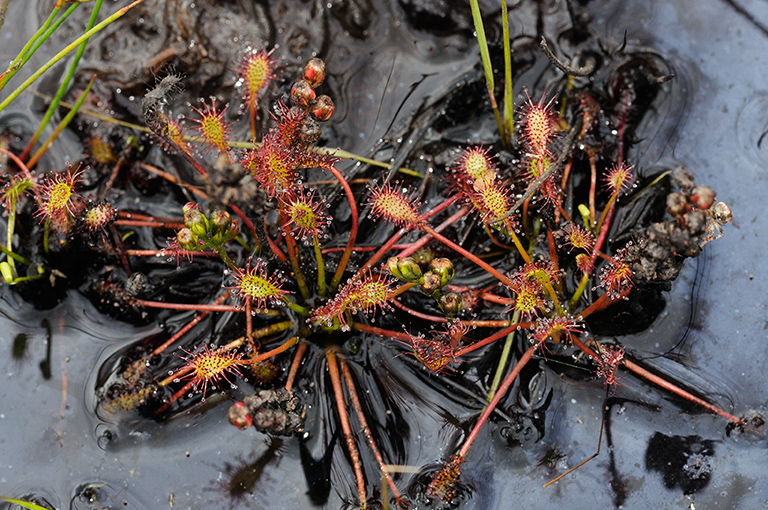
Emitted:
pixel 62 125
pixel 486 58
pixel 503 359
pixel 23 504
pixel 508 108
pixel 39 42
pixel 47 35
pixel 64 52
pixel 64 84
pixel 16 62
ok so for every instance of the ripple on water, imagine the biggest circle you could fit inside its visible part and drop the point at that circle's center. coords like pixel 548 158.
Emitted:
pixel 752 128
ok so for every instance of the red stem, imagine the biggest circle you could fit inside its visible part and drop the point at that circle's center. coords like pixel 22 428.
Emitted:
pixel 592 188
pixel 443 320
pixel 273 352
pixel 603 302
pixel 175 397
pixel 525 358
pixel 160 253
pixel 273 246
pixel 249 321
pixel 468 255
pixel 248 223
pixel 603 234
pixel 187 306
pixel 553 256
pixel 333 370
pixel 352 231
pixel 401 246
pixel 149 223
pixel 366 429
pixel 191 324
pixel 16 160
pixel 365 328
pixel 655 379
pixel 499 334
pixel 295 366
pixel 424 240
pixel 125 215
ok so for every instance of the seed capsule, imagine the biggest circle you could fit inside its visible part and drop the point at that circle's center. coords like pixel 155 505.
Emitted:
pixel 444 269
pixel 404 268
pixel 302 93
pixel 314 72
pixel 430 283
pixel 323 108
pixel 187 239
pixel 696 222
pixel 310 131
pixel 240 416
pixel 450 303
pixel 234 229
pixel 702 197
pixel 195 221
pixel 221 222
pixel 677 204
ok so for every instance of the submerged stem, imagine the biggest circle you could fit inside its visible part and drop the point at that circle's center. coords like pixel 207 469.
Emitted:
pixel 503 358
pixel 524 359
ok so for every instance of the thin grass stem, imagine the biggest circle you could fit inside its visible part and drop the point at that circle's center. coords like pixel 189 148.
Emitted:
pixel 352 231
pixel 38 42
pixel 503 358
pixel 508 106
pixel 64 84
pixel 486 58
pixel 16 62
pixel 65 51
pixel 61 126
pixel 524 359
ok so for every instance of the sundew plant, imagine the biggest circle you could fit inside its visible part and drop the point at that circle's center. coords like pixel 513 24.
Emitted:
pixel 279 268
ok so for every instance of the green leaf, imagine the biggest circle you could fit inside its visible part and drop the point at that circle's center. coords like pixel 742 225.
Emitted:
pixel 7 272
pixel 24 504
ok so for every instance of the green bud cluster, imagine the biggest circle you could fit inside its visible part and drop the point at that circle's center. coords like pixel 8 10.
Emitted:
pixel 432 282
pixel 404 268
pixel 201 232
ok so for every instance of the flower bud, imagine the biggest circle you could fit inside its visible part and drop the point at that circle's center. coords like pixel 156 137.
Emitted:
pixel 450 303
pixel 322 108
pixel 583 263
pixel 234 230
pixel 404 268
pixel 430 283
pixel 310 131
pixel 314 72
pixel 240 415
pixel 195 221
pixel 220 221
pixel 444 269
pixel 423 256
pixel 302 93
pixel 187 239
